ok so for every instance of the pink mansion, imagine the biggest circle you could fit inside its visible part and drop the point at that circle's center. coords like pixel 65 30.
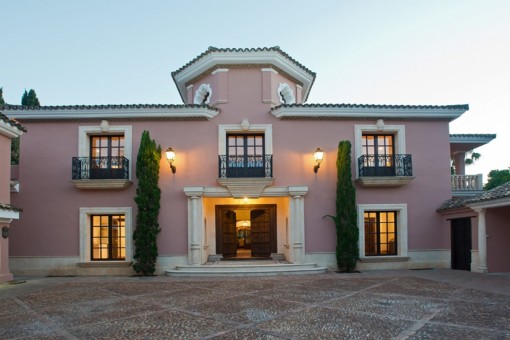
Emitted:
pixel 254 176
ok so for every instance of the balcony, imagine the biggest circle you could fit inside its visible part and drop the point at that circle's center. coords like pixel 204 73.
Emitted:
pixel 100 172
pixel 245 176
pixel 245 166
pixel 385 170
pixel 467 185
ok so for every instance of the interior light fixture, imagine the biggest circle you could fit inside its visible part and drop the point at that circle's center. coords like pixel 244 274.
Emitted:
pixel 318 155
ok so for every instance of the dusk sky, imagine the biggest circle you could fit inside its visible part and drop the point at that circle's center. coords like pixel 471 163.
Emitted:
pixel 432 52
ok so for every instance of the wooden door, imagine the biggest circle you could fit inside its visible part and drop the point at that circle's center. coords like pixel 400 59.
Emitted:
pixel 263 231
pixel 226 240
pixel 461 243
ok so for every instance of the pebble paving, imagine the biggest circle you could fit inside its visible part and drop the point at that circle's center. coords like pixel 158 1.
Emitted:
pixel 435 304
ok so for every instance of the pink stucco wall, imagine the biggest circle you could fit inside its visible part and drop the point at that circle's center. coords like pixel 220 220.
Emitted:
pixel 498 236
pixel 50 224
pixel 5 168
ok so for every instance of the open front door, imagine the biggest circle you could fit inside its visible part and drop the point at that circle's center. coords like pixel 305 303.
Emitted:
pixel 461 243
pixel 263 232
pixel 227 243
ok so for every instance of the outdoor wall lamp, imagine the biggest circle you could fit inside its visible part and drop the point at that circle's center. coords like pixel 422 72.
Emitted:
pixel 5 232
pixel 318 155
pixel 170 157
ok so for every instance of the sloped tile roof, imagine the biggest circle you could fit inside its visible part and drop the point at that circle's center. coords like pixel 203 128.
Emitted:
pixel 9 207
pixel 106 107
pixel 473 135
pixel 12 122
pixel 376 106
pixel 502 191
pixel 213 49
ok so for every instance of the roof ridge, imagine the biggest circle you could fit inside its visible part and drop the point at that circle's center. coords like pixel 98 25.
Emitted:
pixel 386 106
pixel 104 106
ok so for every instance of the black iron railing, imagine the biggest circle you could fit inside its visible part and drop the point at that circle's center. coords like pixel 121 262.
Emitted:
pixel 100 168
pixel 387 165
pixel 245 166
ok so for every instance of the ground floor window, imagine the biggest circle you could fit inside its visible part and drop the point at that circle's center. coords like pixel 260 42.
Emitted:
pixel 108 237
pixel 380 233
pixel 106 234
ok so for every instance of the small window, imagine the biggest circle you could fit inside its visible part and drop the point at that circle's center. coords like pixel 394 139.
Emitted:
pixel 380 233
pixel 108 237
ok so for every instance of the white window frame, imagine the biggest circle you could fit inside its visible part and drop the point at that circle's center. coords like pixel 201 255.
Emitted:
pixel 266 129
pixel 399 131
pixel 401 210
pixel 85 232
pixel 84 133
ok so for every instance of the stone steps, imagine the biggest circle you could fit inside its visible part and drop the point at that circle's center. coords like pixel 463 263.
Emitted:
pixel 245 268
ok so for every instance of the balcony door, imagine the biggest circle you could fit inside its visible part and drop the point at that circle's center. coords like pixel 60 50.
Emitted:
pixel 106 157
pixel 379 153
pixel 245 155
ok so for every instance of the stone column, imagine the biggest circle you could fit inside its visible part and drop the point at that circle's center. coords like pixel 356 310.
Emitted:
pixel 460 162
pixel 482 242
pixel 5 274
pixel 195 237
pixel 297 223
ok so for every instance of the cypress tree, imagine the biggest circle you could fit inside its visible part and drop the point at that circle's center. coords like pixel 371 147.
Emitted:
pixel 147 198
pixel 347 234
pixel 30 98
pixel 2 101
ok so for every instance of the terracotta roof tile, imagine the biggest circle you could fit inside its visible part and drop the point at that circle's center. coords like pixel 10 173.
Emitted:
pixel 9 207
pixel 473 135
pixel 12 122
pixel 377 106
pixel 502 191
pixel 106 107
pixel 213 49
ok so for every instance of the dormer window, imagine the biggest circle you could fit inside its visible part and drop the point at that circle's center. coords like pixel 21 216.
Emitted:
pixel 203 94
pixel 286 94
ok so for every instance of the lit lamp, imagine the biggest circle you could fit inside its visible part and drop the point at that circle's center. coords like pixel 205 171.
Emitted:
pixel 318 155
pixel 170 157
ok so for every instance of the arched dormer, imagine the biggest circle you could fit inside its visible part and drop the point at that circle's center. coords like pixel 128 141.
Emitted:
pixel 203 94
pixel 286 94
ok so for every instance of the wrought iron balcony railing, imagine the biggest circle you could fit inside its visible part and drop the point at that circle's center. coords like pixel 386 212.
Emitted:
pixel 100 168
pixel 245 166
pixel 388 165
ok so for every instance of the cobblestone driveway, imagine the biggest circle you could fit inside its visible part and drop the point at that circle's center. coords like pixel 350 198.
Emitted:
pixel 374 305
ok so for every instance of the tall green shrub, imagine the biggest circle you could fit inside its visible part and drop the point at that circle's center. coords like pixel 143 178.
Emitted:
pixel 147 198
pixel 347 234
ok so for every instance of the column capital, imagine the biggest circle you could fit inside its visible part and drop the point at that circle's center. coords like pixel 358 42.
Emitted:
pixel 194 191
pixel 479 210
pixel 298 191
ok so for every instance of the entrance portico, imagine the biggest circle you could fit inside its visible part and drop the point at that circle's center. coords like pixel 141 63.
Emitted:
pixel 202 229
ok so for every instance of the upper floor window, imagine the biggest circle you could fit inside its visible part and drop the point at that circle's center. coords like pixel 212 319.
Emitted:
pixel 245 155
pixel 378 151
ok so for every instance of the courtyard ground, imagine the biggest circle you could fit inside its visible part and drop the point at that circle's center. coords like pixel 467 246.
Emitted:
pixel 423 304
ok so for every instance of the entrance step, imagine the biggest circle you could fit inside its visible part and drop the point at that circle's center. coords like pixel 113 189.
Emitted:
pixel 245 268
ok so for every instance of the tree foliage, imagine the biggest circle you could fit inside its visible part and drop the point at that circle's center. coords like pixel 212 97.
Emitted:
pixel 147 198
pixel 2 101
pixel 347 234
pixel 496 178
pixel 30 98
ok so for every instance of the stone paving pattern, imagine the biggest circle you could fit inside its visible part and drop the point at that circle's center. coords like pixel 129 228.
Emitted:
pixel 427 304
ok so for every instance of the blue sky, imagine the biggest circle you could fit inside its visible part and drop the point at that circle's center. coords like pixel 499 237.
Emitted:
pixel 374 52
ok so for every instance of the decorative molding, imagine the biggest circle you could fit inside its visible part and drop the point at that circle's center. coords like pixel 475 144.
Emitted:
pixel 6 216
pixel 245 187
pixel 390 181
pixel 285 94
pixel 8 130
pixel 219 70
pixel 102 184
pixel 269 69
pixel 203 94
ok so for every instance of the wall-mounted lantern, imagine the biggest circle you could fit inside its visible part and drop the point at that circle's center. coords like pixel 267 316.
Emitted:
pixel 170 157
pixel 318 155
pixel 5 232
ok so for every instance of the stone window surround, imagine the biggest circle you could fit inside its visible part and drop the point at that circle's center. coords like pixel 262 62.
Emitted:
pixel 398 131
pixel 402 225
pixel 85 213
pixel 84 133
